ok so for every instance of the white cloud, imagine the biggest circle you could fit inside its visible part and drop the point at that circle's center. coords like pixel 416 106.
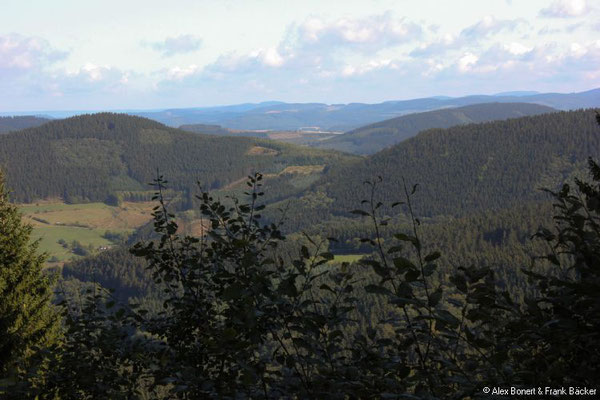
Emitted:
pixel 23 53
pixel 370 33
pixel 470 36
pixel 271 57
pixel 517 48
pixel 566 9
pixel 374 65
pixel 442 44
pixel 489 25
pixel 90 78
pixel 177 45
pixel 317 47
pixel 255 61
pixel 179 73
pixel 467 61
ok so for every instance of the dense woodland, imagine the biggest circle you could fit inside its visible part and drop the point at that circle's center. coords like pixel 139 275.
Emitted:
pixel 89 157
pixel 470 275
pixel 239 321
pixel 9 124
pixel 375 137
pixel 474 167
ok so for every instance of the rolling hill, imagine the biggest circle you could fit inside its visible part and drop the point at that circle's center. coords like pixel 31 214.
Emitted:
pixel 10 124
pixel 460 170
pixel 344 117
pixel 89 157
pixel 372 138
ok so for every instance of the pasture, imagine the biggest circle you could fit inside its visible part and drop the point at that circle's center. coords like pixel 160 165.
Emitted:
pixel 54 221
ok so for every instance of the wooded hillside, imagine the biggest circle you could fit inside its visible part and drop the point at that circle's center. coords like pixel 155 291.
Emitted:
pixel 88 157
pixel 372 138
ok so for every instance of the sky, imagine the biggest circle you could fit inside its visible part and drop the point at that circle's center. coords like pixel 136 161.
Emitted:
pixel 154 54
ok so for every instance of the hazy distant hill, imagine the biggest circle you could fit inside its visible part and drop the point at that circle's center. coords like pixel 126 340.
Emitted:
pixel 343 117
pixel 205 129
pixel 304 137
pixel 372 138
pixel 91 156
pixel 9 124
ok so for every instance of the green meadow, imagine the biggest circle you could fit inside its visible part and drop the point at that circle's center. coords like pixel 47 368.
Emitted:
pixel 55 221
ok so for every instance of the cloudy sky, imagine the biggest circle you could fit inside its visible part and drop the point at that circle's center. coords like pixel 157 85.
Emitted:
pixel 117 54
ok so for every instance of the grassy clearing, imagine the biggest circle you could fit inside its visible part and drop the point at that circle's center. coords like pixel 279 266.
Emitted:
pixel 349 258
pixel 261 151
pixel 85 223
pixel 50 235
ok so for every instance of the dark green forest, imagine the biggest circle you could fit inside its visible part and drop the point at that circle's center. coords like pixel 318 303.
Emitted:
pixel 477 254
pixel 9 124
pixel 484 166
pixel 375 137
pixel 89 157
pixel 239 320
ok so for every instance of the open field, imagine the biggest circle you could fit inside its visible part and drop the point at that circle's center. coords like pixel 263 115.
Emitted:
pixel 50 236
pixel 349 258
pixel 84 223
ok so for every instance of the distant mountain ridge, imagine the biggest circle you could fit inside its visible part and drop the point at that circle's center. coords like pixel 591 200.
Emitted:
pixel 277 115
pixel 374 137
pixel 344 117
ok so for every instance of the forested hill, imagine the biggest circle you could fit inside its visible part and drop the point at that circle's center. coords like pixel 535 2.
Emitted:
pixel 465 168
pixel 91 156
pixel 9 124
pixel 372 138
pixel 205 129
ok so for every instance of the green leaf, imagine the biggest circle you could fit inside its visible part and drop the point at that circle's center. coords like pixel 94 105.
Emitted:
pixel 403 301
pixel 403 264
pixel 360 212
pixel 304 252
pixel 407 238
pixel 435 297
pixel 411 275
pixel 432 256
pixel 377 267
pixel 376 289
pixel 447 317
pixel 460 282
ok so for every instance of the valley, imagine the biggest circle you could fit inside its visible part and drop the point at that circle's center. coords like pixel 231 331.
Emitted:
pixel 103 172
pixel 326 209
pixel 299 200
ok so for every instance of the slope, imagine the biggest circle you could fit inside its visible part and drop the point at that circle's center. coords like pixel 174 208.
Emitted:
pixel 460 170
pixel 372 138
pixel 9 124
pixel 88 157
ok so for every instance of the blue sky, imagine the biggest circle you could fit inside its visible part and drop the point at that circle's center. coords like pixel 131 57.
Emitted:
pixel 93 55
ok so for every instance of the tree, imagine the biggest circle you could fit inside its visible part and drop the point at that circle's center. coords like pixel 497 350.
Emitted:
pixel 27 319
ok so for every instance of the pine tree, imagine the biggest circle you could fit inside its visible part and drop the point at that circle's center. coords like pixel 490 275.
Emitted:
pixel 27 319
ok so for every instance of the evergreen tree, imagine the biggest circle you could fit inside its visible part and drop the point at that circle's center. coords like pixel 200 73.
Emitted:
pixel 27 319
